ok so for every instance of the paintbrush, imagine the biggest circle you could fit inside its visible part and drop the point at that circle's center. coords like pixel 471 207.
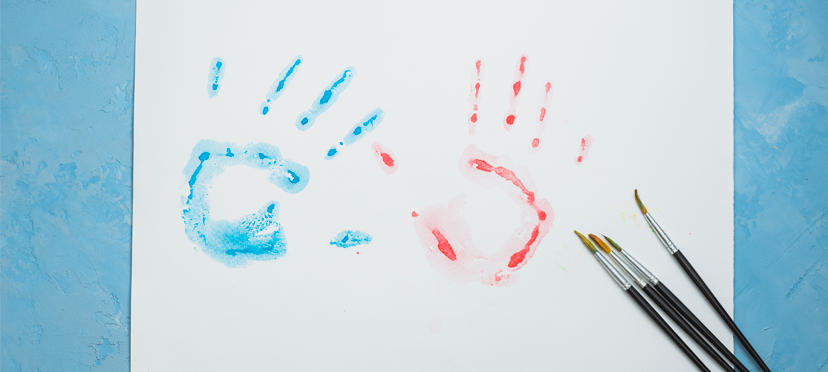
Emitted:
pixel 679 306
pixel 654 295
pixel 691 272
pixel 627 287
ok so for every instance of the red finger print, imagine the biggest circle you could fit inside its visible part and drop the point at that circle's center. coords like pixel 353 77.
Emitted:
pixel 474 99
pixel 583 149
pixel 446 236
pixel 509 120
pixel 385 158
pixel 541 123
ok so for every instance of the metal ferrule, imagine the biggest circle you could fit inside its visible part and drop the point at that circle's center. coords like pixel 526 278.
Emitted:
pixel 638 279
pixel 614 273
pixel 661 234
pixel 641 269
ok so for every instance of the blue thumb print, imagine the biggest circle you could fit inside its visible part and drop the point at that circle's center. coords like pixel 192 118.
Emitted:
pixel 255 237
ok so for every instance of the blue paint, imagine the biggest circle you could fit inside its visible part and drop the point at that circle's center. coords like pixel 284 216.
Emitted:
pixel 780 204
pixel 215 77
pixel 325 100
pixel 350 238
pixel 279 85
pixel 202 158
pixel 360 130
pixel 255 237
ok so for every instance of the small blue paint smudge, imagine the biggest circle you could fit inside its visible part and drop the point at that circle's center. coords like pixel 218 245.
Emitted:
pixel 292 177
pixel 325 100
pixel 215 77
pixel 280 84
pixel 360 130
pixel 350 238
pixel 255 237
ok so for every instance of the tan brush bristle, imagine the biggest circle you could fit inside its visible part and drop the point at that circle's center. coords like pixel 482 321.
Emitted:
pixel 597 240
pixel 614 244
pixel 640 204
pixel 586 242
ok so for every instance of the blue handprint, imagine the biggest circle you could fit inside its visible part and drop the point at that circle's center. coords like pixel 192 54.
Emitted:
pixel 259 236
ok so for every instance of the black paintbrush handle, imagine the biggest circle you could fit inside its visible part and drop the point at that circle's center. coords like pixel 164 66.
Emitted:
pixel 666 328
pixel 719 309
pixel 665 306
pixel 693 320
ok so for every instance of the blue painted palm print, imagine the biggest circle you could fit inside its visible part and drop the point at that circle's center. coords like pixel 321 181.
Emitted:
pixel 255 237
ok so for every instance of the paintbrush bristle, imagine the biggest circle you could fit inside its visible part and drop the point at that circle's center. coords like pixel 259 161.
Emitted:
pixel 586 242
pixel 614 244
pixel 597 240
pixel 640 204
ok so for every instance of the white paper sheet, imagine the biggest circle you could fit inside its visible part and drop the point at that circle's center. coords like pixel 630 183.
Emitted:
pixel 647 83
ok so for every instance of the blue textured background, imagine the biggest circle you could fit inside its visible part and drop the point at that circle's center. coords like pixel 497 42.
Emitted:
pixel 66 154
pixel 781 181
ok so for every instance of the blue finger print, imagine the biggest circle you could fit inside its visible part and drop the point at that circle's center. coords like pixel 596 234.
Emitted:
pixel 361 129
pixel 325 100
pixel 255 237
pixel 215 76
pixel 280 84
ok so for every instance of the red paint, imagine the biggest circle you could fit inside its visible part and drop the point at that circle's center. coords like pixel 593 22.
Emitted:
pixel 414 214
pixel 474 98
pixel 518 257
pixel 547 88
pixel 443 227
pixel 385 158
pixel 513 100
pixel 505 173
pixel 357 252
pixel 443 245
pixel 583 150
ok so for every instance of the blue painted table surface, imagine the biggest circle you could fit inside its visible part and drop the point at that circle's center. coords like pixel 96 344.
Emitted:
pixel 66 155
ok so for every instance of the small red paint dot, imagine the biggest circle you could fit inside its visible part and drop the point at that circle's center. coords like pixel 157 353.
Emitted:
pixel 516 87
pixel 414 214
pixel 580 158
pixel 510 119
pixel 473 118
pixel 541 215
pixel 535 142
pixel 357 252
